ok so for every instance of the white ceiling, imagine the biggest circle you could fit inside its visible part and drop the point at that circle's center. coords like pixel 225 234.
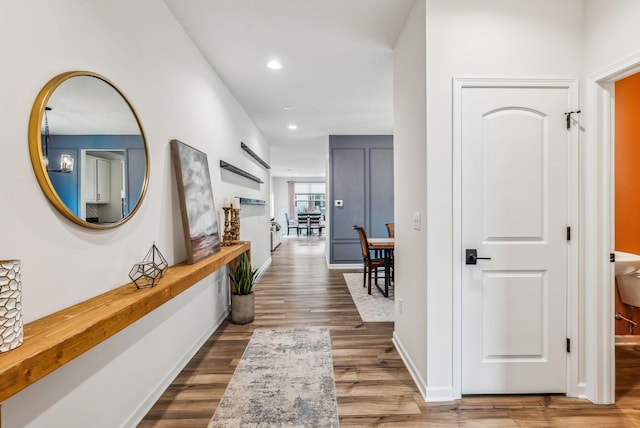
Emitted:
pixel 336 74
pixel 85 105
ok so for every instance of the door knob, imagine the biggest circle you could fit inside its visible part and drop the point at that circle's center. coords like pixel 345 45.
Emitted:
pixel 471 256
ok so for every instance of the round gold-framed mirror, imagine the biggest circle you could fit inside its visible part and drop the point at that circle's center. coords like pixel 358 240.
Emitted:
pixel 88 150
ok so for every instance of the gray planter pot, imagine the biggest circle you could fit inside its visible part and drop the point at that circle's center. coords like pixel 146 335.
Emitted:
pixel 242 308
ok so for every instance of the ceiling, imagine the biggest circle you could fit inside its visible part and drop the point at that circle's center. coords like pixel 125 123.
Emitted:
pixel 85 105
pixel 336 76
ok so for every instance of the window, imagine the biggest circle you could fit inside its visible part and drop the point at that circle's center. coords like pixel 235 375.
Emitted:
pixel 309 197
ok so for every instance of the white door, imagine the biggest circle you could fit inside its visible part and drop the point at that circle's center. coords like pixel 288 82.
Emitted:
pixel 514 144
pixel 103 180
pixel 89 188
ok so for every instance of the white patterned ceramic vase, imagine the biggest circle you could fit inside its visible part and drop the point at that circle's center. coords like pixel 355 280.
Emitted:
pixel 11 334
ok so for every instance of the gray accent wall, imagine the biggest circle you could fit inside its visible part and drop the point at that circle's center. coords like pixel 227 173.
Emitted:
pixel 361 175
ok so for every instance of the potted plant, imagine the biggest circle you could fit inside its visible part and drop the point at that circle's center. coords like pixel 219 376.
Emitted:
pixel 242 277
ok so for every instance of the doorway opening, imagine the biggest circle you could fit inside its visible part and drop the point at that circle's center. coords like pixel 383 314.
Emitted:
pixel 626 177
pixel 625 233
pixel 600 234
pixel 103 185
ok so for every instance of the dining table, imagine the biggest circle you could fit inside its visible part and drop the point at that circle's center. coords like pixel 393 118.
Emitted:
pixel 386 246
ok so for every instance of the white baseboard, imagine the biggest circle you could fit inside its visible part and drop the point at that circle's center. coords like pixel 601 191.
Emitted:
pixel 344 266
pixel 440 394
pixel 144 407
pixel 628 339
pixel 420 383
pixel 582 390
pixel 429 394
pixel 262 269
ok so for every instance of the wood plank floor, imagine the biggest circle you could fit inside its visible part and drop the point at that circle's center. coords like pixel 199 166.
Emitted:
pixel 373 386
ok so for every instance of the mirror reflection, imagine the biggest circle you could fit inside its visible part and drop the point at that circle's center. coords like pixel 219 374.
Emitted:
pixel 91 155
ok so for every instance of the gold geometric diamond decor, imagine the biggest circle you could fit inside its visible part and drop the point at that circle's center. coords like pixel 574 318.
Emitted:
pixel 148 272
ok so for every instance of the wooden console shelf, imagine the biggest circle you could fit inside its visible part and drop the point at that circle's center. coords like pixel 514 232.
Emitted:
pixel 56 339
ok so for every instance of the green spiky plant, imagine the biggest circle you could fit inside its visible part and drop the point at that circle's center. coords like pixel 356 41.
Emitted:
pixel 243 276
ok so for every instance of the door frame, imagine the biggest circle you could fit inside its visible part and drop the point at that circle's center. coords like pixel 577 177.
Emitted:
pixel 599 208
pixel 460 83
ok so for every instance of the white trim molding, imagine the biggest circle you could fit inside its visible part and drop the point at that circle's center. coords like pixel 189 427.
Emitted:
pixel 344 266
pixel 262 269
pixel 415 374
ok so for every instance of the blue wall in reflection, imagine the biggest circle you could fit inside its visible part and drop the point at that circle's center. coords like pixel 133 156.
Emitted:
pixel 67 185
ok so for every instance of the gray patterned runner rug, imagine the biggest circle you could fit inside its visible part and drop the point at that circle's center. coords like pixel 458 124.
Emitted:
pixel 284 379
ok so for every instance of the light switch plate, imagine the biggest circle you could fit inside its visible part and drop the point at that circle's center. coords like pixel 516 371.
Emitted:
pixel 417 220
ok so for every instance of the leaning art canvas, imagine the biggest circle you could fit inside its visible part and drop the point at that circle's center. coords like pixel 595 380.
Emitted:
pixel 199 218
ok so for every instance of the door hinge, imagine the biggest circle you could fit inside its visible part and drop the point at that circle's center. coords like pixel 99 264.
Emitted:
pixel 612 257
pixel 568 345
pixel 568 233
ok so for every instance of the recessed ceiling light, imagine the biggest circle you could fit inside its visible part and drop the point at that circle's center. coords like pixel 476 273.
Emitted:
pixel 286 108
pixel 274 65
pixel 292 126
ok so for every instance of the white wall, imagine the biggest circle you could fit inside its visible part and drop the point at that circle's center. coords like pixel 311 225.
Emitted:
pixel 492 38
pixel 410 181
pixel 140 47
pixel 280 189
pixel 465 38
pixel 612 33
pixel 307 157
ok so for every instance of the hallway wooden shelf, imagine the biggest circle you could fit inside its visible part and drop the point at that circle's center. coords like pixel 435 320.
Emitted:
pixel 54 340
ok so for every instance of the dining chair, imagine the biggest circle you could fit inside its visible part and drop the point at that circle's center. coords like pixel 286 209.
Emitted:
pixel 291 224
pixel 303 222
pixel 390 229
pixel 315 222
pixel 371 264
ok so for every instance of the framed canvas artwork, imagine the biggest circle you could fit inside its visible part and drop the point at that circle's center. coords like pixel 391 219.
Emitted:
pixel 199 217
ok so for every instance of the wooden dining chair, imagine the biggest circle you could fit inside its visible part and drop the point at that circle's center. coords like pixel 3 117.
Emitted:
pixel 390 229
pixel 371 264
